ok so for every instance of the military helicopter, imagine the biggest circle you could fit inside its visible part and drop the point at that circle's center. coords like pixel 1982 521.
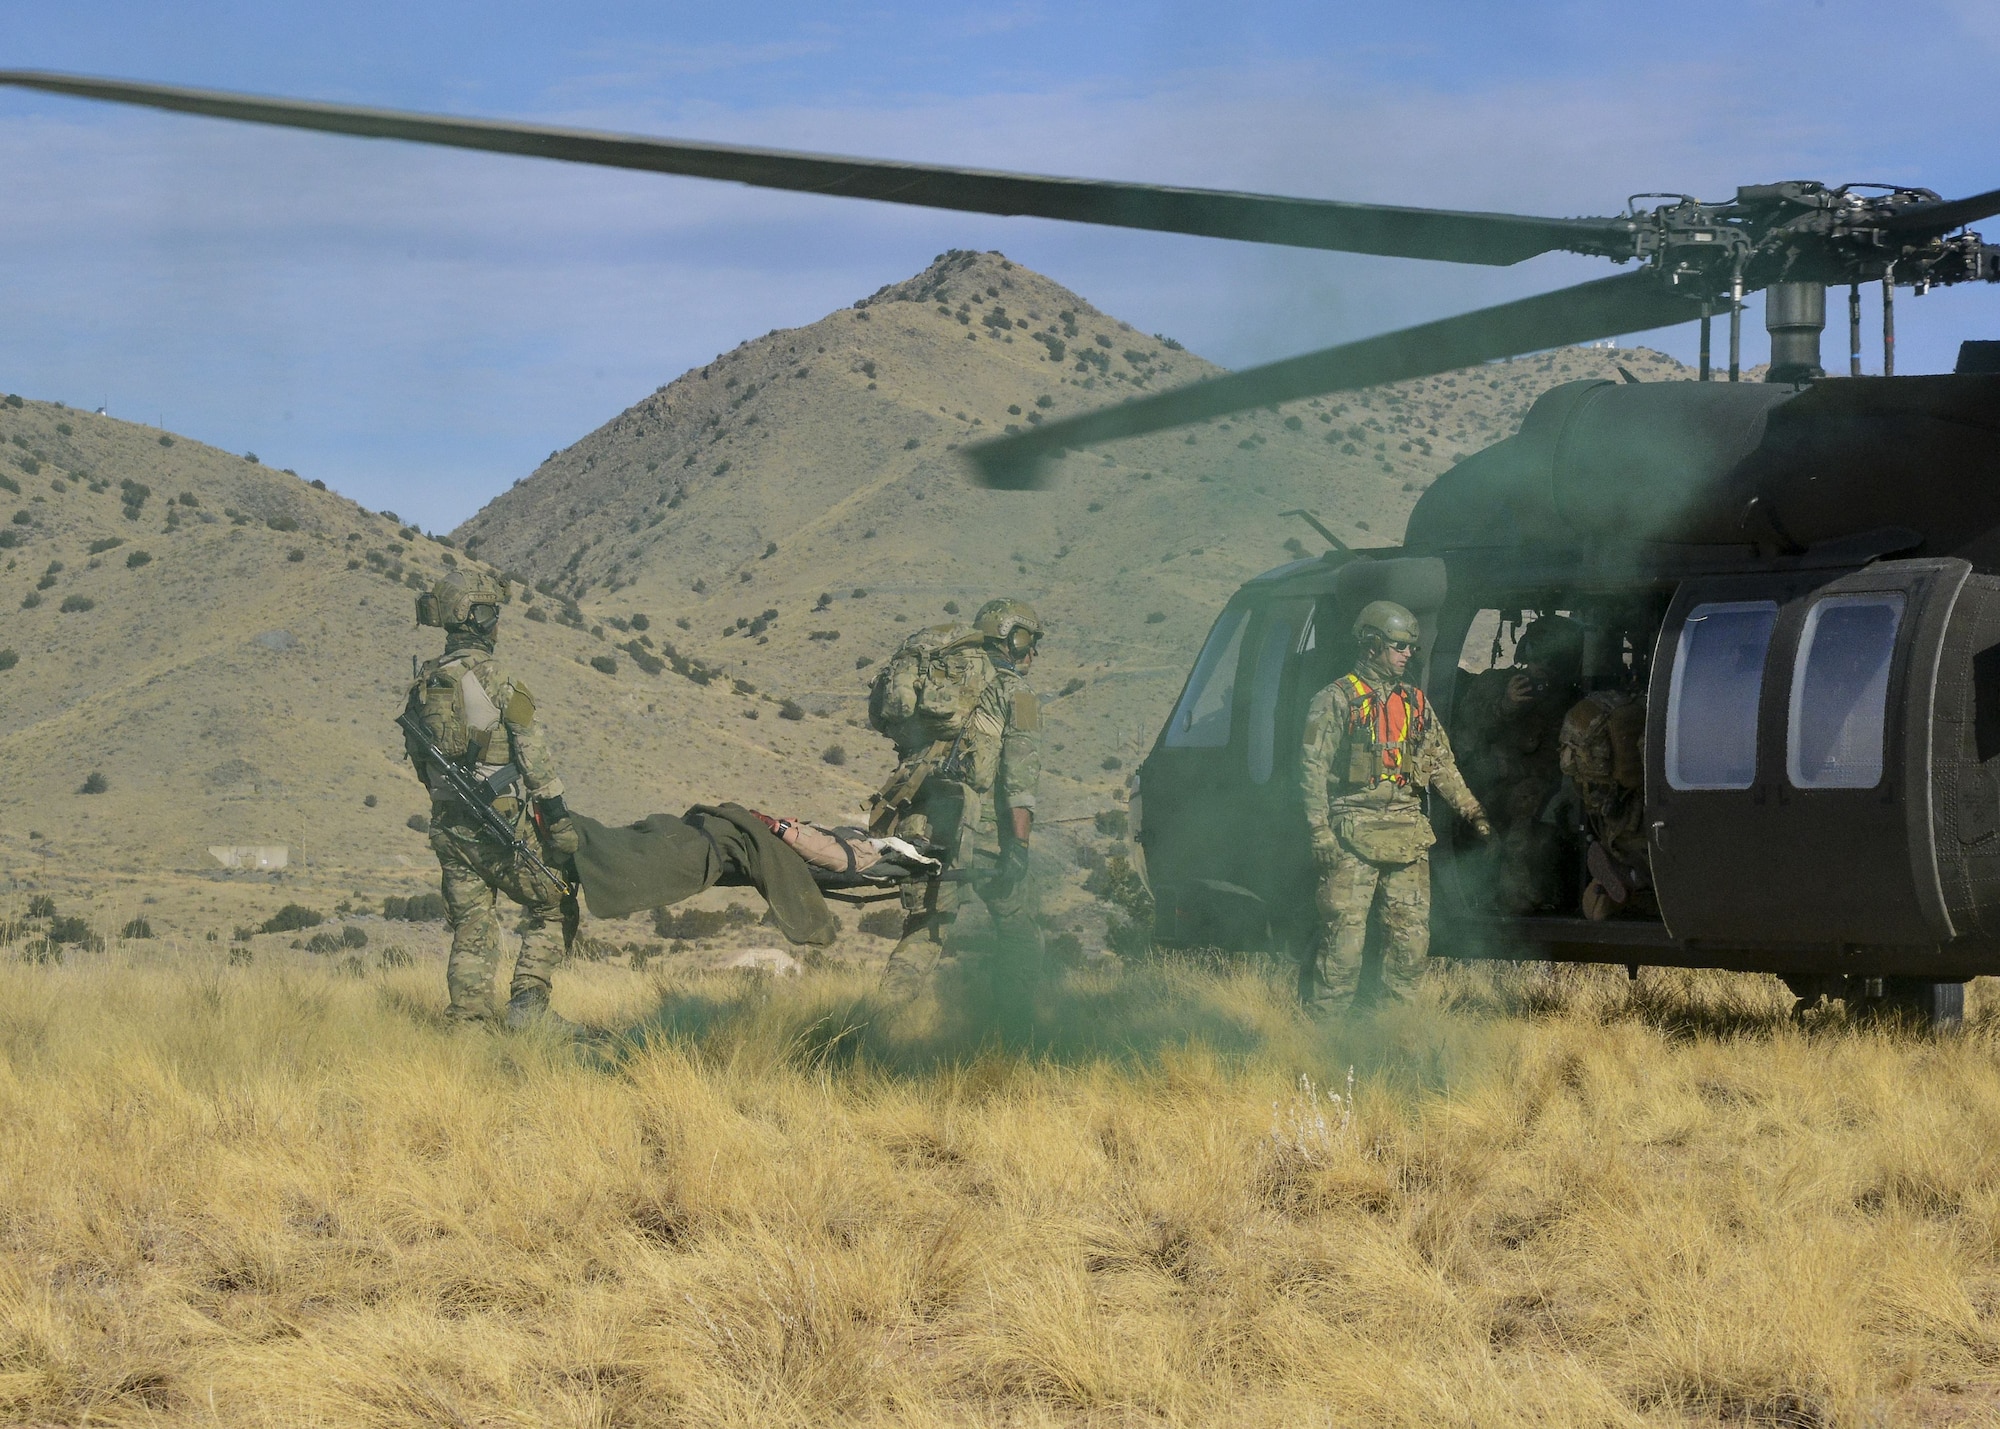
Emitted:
pixel 1801 577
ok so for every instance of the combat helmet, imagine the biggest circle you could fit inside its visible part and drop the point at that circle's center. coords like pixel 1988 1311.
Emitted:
pixel 1010 624
pixel 1383 622
pixel 1554 642
pixel 450 603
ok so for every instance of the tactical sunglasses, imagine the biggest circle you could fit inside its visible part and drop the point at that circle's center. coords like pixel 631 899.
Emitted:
pixel 1406 646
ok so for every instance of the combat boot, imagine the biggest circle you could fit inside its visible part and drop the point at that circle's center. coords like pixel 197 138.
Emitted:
pixel 529 1007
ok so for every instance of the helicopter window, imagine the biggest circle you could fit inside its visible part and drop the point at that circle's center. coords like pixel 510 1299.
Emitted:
pixel 1201 720
pixel 1840 692
pixel 1712 707
pixel 1288 630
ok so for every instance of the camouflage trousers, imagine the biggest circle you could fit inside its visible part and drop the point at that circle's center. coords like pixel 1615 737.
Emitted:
pixel 930 908
pixel 477 868
pixel 1353 891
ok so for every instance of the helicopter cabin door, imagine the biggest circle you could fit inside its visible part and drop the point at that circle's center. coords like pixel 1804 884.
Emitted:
pixel 1788 756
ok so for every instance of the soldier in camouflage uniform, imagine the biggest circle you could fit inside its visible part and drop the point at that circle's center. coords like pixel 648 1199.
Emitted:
pixel 1603 743
pixel 993 764
pixel 485 718
pixel 1373 749
pixel 1508 722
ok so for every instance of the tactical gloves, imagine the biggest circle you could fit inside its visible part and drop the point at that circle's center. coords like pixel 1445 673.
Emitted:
pixel 558 830
pixel 1326 847
pixel 1482 826
pixel 1012 870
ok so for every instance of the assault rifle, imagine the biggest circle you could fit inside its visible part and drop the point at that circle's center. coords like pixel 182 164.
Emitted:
pixel 477 796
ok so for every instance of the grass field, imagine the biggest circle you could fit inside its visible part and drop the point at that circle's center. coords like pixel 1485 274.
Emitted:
pixel 278 1194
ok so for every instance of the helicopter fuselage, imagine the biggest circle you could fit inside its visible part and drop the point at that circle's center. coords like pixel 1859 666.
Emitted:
pixel 1804 587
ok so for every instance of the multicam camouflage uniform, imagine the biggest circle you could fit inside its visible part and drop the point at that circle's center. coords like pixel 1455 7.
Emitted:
pixel 991 767
pixel 1603 755
pixel 1508 751
pixel 1373 746
pixel 469 702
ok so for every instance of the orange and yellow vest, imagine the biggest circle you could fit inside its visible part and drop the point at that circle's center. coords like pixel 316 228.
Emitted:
pixel 1381 733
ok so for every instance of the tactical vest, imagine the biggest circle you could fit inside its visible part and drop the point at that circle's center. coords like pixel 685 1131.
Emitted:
pixel 453 706
pixel 1382 733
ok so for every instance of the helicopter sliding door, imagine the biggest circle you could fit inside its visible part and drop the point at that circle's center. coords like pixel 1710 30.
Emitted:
pixel 1788 759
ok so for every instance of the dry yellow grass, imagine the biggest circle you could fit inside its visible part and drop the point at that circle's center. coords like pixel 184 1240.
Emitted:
pixel 277 1195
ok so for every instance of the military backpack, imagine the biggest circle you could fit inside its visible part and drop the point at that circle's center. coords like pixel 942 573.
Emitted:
pixel 928 689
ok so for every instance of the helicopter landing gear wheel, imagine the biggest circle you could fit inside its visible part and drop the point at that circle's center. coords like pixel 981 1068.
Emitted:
pixel 1937 1005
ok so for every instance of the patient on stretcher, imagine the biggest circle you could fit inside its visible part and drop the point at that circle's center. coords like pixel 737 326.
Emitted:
pixel 661 859
pixel 849 850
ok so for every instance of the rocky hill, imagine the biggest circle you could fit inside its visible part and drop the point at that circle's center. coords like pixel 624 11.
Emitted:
pixel 795 506
pixel 703 585
pixel 199 651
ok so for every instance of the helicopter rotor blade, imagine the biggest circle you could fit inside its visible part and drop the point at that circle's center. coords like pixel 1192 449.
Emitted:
pixel 1441 234
pixel 1942 217
pixel 1607 307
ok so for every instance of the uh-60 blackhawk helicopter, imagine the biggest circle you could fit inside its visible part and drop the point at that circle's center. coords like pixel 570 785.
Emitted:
pixel 1801 577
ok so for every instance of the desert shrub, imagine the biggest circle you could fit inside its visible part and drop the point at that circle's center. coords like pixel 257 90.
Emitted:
pixel 9 659
pixel 418 908
pixel 165 440
pixel 395 956
pixel 642 657
pixel 640 622
pixel 29 465
pixel 791 710
pixel 137 928
pixel 833 754
pixel 418 822
pixel 883 922
pixel 136 559
pixel 41 906
pixel 1070 687
pixel 862 662
pixel 240 956
pixel 282 523
pixel 23 518
pixel 42 951
pixel 291 919
pixel 369 801
pixel 825 637
pixel 604 664
pixel 699 923
pixel 1111 762
pixel 7 483
pixel 250 457
pixel 297 553
pixel 1129 927
pixel 1064 949
pixel 323 943
pixel 105 543
pixel 94 783
pixel 536 614
pixel 69 930
pixel 352 937
pixel 1156 617
pixel 187 498
pixel 9 539
pixel 76 604
pixel 1113 823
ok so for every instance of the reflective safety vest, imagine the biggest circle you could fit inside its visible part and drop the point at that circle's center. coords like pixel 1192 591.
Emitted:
pixel 1381 732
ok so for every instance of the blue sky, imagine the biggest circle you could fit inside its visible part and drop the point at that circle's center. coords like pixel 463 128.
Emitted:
pixel 420 328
